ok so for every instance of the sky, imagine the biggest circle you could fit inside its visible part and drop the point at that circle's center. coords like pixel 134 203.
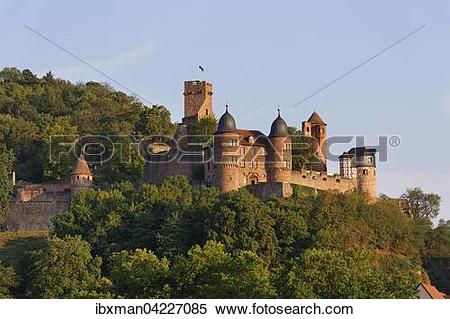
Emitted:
pixel 261 54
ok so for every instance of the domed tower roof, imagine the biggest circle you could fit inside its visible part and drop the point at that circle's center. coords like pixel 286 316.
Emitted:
pixel 226 123
pixel 82 167
pixel 316 119
pixel 279 127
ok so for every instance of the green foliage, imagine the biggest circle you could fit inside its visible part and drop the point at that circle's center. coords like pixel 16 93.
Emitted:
pixel 140 274
pixel 174 240
pixel 304 150
pixel 373 239
pixel 33 109
pixel 436 257
pixel 155 121
pixel 242 222
pixel 66 269
pixel 211 272
pixel 420 205
pixel 323 273
pixel 206 127
pixel 8 281
pixel 6 187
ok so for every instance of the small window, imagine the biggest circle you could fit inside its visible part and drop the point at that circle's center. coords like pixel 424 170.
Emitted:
pixel 324 179
pixel 303 176
pixel 338 181
pixel 206 112
pixel 307 129
pixel 365 172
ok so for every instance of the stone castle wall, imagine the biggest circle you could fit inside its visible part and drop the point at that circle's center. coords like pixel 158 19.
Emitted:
pixel 266 190
pixel 156 173
pixel 323 181
pixel 33 215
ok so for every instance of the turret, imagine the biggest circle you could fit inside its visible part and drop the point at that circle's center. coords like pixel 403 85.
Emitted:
pixel 316 128
pixel 360 163
pixel 81 177
pixel 279 165
pixel 226 151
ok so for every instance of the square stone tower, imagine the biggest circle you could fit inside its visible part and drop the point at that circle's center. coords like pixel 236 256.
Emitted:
pixel 197 101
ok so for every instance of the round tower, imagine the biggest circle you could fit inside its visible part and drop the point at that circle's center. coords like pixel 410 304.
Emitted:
pixel 226 151
pixel 81 177
pixel 366 171
pixel 279 164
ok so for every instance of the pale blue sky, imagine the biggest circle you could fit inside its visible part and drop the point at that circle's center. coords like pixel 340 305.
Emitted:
pixel 261 53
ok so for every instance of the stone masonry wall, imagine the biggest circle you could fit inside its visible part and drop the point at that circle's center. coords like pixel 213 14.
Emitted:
pixel 33 215
pixel 323 181
pixel 265 190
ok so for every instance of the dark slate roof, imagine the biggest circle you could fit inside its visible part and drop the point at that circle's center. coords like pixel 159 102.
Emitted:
pixel 226 123
pixel 316 119
pixel 358 151
pixel 279 127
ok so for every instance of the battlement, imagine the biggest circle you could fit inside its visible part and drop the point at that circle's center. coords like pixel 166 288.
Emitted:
pixel 197 101
pixel 323 181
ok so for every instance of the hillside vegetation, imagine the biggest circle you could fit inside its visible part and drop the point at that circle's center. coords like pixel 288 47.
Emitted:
pixel 174 241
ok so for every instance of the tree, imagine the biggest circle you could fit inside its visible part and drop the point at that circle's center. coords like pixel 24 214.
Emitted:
pixel 8 281
pixel 436 256
pixel 206 127
pixel 210 272
pixel 140 274
pixel 243 222
pixel 61 165
pixel 65 268
pixel 324 273
pixel 6 187
pixel 420 205
pixel 290 227
pixel 155 121
pixel 304 149
pixel 32 109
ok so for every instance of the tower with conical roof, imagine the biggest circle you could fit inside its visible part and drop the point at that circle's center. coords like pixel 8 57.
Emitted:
pixel 226 151
pixel 279 165
pixel 316 128
pixel 81 177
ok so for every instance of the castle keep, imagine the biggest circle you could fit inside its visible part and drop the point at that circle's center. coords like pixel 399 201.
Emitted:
pixel 262 163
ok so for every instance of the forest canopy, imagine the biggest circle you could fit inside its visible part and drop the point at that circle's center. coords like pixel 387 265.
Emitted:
pixel 177 241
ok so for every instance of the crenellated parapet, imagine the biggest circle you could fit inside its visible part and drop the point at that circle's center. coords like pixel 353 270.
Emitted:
pixel 323 181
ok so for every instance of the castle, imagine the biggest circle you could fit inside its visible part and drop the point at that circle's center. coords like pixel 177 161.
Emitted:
pixel 234 159
pixel 34 205
pixel 262 163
